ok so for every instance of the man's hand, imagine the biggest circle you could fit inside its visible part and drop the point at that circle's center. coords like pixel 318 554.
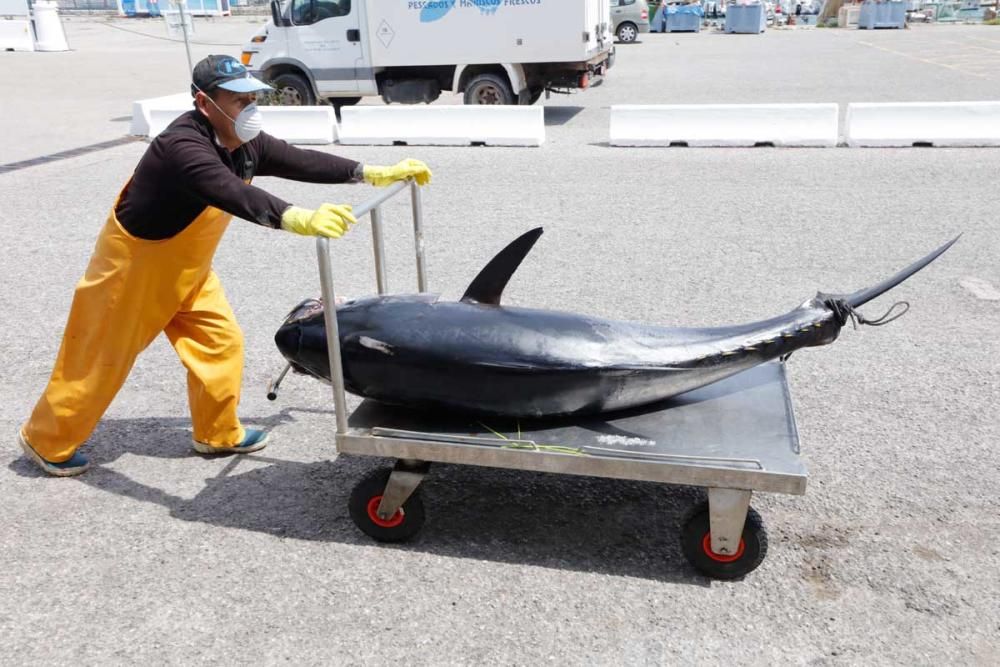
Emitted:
pixel 409 168
pixel 329 220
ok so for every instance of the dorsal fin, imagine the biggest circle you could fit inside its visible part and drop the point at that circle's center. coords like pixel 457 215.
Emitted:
pixel 488 285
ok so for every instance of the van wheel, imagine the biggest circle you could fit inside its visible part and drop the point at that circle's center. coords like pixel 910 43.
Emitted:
pixel 488 89
pixel 627 33
pixel 292 90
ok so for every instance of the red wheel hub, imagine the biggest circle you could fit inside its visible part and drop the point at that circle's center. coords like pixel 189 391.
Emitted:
pixel 706 545
pixel 395 519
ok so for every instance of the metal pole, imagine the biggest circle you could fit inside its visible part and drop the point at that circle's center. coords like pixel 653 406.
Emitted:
pixel 330 297
pixel 386 194
pixel 416 199
pixel 181 6
pixel 332 333
pixel 378 245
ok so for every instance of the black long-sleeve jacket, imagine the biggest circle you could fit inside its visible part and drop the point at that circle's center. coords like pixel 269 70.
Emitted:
pixel 185 169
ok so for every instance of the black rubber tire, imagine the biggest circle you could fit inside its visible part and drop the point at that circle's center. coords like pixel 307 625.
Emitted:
pixel 627 32
pixel 695 541
pixel 407 521
pixel 293 90
pixel 536 94
pixel 488 89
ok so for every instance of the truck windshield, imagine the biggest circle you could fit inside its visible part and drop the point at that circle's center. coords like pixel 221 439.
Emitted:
pixel 307 12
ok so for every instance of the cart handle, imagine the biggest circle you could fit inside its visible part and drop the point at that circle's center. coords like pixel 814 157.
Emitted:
pixel 373 208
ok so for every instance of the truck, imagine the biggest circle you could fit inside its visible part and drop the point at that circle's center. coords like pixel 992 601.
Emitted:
pixel 409 51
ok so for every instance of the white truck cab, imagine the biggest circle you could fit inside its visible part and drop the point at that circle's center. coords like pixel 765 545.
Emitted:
pixel 408 51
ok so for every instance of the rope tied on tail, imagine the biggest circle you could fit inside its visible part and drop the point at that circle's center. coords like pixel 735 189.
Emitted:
pixel 843 311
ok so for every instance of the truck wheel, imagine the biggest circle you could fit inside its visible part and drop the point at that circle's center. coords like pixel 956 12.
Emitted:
pixel 627 32
pixel 293 90
pixel 536 94
pixel 488 89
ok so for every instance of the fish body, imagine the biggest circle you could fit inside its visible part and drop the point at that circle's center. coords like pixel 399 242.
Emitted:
pixel 477 356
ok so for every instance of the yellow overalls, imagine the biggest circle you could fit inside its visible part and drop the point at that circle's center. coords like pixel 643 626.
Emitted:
pixel 134 289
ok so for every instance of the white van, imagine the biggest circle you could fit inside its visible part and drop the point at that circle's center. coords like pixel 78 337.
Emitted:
pixel 408 51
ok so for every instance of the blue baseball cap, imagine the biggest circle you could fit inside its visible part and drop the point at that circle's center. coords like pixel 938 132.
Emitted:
pixel 224 72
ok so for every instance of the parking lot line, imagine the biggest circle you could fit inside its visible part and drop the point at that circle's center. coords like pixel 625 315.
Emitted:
pixel 928 61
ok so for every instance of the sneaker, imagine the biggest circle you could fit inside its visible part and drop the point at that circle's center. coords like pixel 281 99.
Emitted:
pixel 254 440
pixel 76 465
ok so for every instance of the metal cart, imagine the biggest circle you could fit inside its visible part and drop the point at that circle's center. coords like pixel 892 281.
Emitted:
pixel 733 437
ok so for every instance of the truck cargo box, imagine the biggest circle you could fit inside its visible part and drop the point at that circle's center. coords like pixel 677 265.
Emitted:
pixel 427 32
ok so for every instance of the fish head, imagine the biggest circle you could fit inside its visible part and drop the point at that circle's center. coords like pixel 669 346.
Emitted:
pixel 301 338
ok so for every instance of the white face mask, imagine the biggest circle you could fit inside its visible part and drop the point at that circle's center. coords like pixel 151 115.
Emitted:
pixel 247 123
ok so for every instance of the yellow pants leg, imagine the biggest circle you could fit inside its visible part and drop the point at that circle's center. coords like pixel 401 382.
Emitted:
pixel 209 343
pixel 106 330
pixel 89 371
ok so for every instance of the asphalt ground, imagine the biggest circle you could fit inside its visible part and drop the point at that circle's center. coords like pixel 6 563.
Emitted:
pixel 891 556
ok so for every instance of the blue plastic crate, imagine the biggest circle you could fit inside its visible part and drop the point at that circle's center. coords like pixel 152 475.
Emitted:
pixel 684 19
pixel 746 18
pixel 890 14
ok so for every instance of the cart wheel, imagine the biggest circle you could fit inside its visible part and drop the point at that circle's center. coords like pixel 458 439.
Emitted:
pixel 696 541
pixel 363 504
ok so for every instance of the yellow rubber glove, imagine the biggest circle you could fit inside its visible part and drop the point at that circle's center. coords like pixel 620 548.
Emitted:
pixel 330 220
pixel 409 168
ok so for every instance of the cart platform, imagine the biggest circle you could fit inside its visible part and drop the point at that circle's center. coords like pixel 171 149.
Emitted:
pixel 738 433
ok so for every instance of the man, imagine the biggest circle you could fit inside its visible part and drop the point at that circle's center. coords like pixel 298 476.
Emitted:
pixel 151 270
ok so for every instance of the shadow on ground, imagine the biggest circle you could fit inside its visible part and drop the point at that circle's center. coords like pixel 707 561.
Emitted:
pixel 560 115
pixel 575 523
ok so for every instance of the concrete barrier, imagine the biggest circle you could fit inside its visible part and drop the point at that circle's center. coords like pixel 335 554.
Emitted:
pixel 15 34
pixel 924 123
pixel 15 26
pixel 301 125
pixel 296 125
pixel 162 107
pixel 160 118
pixel 443 125
pixel 724 125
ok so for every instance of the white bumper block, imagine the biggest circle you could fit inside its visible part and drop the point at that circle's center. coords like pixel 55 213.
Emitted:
pixel 164 109
pixel 724 125
pixel 296 125
pixel 301 125
pixel 443 125
pixel 15 35
pixel 929 123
